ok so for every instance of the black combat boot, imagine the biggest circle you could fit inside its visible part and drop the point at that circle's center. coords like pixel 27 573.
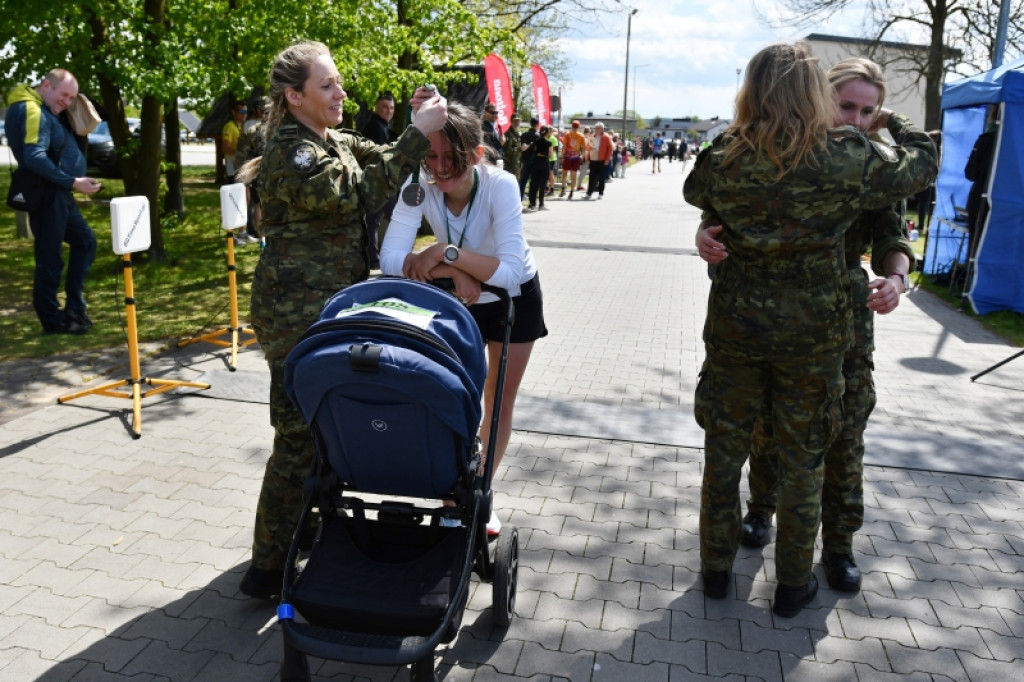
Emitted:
pixel 716 583
pixel 755 529
pixel 841 571
pixel 261 584
pixel 790 600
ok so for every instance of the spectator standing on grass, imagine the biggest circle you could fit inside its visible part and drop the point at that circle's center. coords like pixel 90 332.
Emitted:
pixel 250 146
pixel 378 129
pixel 44 145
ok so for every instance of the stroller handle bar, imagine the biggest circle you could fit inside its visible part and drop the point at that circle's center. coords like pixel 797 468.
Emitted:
pixel 447 284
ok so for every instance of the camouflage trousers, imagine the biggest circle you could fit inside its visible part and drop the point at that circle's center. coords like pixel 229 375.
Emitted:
pixel 805 398
pixel 842 500
pixel 283 307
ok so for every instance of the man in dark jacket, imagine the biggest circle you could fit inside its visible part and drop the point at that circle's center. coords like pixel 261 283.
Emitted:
pixel 493 138
pixel 44 145
pixel 378 129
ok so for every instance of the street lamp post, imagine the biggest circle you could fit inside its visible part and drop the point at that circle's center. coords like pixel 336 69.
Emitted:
pixel 625 86
pixel 638 66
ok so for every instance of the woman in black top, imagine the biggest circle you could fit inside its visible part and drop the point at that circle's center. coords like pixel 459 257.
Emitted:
pixel 541 149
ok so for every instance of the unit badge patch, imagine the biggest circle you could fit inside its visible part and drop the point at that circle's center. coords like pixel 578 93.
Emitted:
pixel 303 157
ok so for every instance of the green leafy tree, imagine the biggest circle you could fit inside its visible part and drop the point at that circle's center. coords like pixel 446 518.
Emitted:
pixel 152 53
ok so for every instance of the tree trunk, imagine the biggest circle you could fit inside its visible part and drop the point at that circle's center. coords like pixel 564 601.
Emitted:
pixel 405 61
pixel 147 160
pixel 113 103
pixel 174 198
pixel 935 68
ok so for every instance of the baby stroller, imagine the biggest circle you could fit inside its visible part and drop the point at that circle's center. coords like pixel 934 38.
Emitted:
pixel 390 381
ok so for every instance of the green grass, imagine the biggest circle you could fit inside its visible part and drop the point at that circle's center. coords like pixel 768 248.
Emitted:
pixel 178 298
pixel 174 300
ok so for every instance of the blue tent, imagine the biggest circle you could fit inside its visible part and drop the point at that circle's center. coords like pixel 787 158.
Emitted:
pixel 997 276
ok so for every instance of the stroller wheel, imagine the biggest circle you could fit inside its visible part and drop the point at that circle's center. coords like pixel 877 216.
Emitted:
pixel 506 573
pixel 423 670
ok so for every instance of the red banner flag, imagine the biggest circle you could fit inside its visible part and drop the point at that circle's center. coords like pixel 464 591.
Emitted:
pixel 541 95
pixel 499 89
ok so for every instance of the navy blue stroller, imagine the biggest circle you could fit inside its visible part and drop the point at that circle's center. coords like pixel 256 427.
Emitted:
pixel 390 381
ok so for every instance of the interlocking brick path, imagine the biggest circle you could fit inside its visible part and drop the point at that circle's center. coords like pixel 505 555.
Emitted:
pixel 121 557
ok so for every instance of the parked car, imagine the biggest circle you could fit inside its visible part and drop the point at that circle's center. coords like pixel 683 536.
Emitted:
pixel 100 155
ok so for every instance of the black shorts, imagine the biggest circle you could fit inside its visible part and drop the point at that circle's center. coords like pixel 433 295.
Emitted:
pixel 529 311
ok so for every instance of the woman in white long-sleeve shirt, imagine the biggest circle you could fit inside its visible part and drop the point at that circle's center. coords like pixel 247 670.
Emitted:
pixel 475 212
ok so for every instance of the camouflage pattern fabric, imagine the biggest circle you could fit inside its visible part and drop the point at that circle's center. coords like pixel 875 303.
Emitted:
pixel 513 152
pixel 314 194
pixel 251 144
pixel 779 321
pixel 843 490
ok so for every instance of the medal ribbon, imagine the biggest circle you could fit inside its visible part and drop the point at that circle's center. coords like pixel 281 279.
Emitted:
pixel 469 207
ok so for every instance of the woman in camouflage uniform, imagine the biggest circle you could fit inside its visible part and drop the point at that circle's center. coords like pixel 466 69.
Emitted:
pixel 786 189
pixel 860 92
pixel 316 184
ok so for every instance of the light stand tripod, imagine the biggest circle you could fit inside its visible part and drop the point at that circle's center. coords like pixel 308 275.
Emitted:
pixel 998 365
pixel 233 216
pixel 130 240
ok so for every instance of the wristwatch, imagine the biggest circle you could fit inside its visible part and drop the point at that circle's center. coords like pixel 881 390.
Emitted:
pixel 903 278
pixel 451 254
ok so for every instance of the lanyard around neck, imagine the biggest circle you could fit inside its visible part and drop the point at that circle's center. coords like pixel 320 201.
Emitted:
pixel 469 207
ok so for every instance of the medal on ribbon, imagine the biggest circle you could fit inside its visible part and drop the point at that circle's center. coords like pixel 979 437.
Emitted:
pixel 413 194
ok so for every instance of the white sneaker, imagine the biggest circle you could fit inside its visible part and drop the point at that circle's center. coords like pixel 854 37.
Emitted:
pixel 243 238
pixel 493 525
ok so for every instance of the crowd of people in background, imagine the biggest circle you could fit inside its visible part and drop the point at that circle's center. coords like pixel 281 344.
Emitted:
pixel 577 159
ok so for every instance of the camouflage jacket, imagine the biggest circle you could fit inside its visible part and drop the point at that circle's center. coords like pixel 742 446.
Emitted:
pixel 312 187
pixel 880 231
pixel 797 224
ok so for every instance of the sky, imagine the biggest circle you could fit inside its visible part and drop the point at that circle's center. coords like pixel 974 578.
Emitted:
pixel 684 54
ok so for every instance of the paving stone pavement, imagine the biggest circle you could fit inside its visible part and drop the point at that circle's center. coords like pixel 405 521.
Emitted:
pixel 121 557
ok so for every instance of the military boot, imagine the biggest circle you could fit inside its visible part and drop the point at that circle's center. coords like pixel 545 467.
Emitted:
pixel 841 571
pixel 790 600
pixel 755 529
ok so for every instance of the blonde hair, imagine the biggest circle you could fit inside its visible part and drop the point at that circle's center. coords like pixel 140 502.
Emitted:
pixel 858 68
pixel 290 70
pixel 783 109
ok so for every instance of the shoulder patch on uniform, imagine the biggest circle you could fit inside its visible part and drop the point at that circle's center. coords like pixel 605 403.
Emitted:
pixel 302 157
pixel 288 131
pixel 885 151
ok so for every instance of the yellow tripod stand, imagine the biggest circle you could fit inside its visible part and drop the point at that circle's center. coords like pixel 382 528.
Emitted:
pixel 133 383
pixel 234 330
